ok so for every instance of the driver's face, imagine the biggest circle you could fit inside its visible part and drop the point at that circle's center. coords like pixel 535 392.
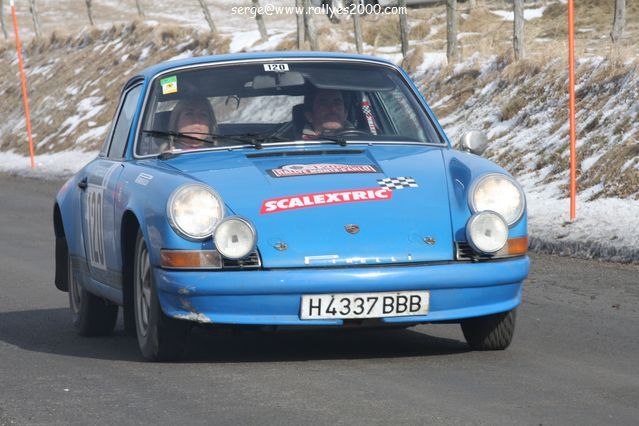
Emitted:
pixel 328 112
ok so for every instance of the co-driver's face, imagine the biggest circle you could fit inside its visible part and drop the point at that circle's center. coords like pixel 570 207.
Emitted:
pixel 329 112
pixel 194 119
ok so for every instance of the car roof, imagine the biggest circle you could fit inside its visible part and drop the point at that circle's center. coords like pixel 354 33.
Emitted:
pixel 212 59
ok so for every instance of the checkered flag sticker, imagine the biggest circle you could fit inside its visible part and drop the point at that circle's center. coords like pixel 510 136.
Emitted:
pixel 400 182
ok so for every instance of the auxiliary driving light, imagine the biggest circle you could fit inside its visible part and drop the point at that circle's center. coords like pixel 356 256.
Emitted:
pixel 487 232
pixel 235 237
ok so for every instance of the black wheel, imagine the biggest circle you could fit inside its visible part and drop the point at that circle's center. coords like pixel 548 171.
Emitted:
pixel 91 315
pixel 490 333
pixel 129 321
pixel 160 338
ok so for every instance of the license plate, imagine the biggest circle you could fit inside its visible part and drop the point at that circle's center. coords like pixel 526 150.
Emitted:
pixel 365 305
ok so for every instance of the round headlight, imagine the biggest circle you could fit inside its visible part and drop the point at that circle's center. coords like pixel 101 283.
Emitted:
pixel 487 232
pixel 498 193
pixel 194 211
pixel 235 238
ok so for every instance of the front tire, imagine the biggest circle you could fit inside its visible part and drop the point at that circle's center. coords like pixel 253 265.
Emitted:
pixel 91 315
pixel 160 338
pixel 491 332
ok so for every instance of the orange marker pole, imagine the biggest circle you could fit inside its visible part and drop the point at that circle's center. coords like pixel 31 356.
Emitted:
pixel 571 91
pixel 24 83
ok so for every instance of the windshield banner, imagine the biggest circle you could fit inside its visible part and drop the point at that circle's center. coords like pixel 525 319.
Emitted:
pixel 321 169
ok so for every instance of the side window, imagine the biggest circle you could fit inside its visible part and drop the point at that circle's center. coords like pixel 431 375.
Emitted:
pixel 123 123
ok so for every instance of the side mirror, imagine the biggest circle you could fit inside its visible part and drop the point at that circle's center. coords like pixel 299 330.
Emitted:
pixel 474 142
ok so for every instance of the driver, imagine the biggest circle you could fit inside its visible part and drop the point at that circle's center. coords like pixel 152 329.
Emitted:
pixel 193 117
pixel 324 109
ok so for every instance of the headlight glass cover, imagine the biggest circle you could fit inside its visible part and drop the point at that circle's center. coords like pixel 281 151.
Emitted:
pixel 498 193
pixel 194 210
pixel 487 232
pixel 235 237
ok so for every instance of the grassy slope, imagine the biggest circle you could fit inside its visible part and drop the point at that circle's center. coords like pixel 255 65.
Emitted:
pixel 523 107
pixel 75 81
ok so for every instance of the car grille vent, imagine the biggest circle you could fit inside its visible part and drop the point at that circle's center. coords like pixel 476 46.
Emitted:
pixel 465 252
pixel 251 261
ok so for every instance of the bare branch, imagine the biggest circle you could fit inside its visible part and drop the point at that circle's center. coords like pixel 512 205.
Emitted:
pixel 207 16
pixel 4 29
pixel 300 24
pixel 357 27
pixel 403 28
pixel 309 26
pixel 33 8
pixel 90 12
pixel 518 29
pixel 260 21
pixel 138 5
pixel 451 31
pixel 619 21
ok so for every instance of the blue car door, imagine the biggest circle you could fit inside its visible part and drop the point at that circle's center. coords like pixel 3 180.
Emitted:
pixel 98 199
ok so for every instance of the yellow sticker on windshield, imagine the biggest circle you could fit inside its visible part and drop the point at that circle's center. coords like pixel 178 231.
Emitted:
pixel 169 85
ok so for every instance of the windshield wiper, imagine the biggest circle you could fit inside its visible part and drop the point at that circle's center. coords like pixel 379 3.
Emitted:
pixel 257 139
pixel 340 140
pixel 173 135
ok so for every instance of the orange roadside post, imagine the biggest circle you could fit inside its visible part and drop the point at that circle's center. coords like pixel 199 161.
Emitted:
pixel 571 90
pixel 24 83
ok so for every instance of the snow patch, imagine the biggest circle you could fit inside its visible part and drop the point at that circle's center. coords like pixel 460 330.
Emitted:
pixel 48 166
pixel 528 14
pixel 96 133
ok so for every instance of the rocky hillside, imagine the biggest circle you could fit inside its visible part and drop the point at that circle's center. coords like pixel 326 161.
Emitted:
pixel 523 108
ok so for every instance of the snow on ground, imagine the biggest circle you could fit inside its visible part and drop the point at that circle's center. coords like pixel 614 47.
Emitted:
pixel 48 166
pixel 432 60
pixel 528 14
pixel 605 228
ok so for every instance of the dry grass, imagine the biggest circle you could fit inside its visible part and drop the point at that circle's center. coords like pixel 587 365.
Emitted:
pixel 384 32
pixel 460 86
pixel 608 171
pixel 414 59
pixel 288 43
pixel 482 21
pixel 419 31
pixel 513 107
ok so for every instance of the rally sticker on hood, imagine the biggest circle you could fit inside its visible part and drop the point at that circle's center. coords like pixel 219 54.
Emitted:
pixel 319 199
pixel 321 169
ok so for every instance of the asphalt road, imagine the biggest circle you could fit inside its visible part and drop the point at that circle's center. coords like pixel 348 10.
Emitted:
pixel 574 359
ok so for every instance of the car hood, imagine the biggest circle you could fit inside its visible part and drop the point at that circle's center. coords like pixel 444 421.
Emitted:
pixel 379 204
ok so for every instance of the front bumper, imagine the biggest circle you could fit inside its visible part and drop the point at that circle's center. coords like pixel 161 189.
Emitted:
pixel 273 296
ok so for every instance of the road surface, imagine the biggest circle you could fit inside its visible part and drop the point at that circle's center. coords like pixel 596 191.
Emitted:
pixel 574 359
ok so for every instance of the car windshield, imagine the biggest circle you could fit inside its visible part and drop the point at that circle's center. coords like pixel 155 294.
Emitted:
pixel 266 103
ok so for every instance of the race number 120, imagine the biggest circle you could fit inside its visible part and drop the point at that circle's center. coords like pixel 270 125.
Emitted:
pixel 276 67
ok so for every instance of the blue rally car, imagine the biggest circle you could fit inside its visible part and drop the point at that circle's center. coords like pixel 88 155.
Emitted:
pixel 287 189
